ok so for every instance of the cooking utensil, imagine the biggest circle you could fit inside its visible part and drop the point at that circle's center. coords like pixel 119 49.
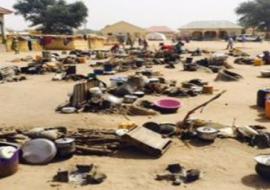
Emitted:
pixel 168 105
pixel 207 133
pixel 129 99
pixel 39 151
pixel 65 147
pixel 263 166
pixel 9 159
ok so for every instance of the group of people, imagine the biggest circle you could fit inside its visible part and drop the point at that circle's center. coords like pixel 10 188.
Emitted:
pixel 130 42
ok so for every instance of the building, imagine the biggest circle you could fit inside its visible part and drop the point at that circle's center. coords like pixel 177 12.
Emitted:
pixel 3 12
pixel 123 28
pixel 210 30
pixel 168 32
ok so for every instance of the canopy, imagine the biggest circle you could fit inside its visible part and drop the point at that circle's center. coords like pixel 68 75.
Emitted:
pixel 156 37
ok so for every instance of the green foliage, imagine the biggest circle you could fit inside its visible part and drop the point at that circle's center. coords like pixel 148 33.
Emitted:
pixel 55 16
pixel 255 14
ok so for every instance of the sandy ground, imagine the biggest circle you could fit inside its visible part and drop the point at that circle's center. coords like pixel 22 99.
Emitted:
pixel 227 164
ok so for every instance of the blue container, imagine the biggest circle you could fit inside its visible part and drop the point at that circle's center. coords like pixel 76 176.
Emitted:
pixel 99 71
pixel 108 68
pixel 261 97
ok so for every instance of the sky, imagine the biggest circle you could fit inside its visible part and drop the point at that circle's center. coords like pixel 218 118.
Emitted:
pixel 144 13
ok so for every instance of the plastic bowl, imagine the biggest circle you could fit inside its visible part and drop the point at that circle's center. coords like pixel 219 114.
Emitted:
pixel 168 105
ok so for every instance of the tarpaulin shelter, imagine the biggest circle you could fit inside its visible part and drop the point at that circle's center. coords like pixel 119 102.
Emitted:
pixel 156 37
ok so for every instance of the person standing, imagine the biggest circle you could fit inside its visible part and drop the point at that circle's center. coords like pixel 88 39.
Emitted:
pixel 230 43
pixel 140 42
pixel 15 45
pixel 145 44
pixel 30 44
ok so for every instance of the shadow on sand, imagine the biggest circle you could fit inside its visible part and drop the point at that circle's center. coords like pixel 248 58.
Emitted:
pixel 255 181
pixel 261 114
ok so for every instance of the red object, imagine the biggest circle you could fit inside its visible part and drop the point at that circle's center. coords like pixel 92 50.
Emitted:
pixel 168 48
pixel 168 105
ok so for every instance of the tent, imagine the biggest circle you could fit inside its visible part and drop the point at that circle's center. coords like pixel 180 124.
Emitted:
pixel 156 37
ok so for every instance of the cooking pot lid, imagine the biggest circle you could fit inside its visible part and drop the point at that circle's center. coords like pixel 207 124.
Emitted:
pixel 207 130
pixel 263 159
pixel 39 151
pixel 64 141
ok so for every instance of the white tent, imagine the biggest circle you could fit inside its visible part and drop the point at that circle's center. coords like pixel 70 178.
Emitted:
pixel 156 37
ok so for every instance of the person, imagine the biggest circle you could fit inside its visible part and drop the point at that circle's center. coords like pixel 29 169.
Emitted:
pixel 145 44
pixel 179 47
pixel 130 40
pixel 115 48
pixel 15 45
pixel 140 41
pixel 30 45
pixel 266 57
pixel 166 48
pixel 230 43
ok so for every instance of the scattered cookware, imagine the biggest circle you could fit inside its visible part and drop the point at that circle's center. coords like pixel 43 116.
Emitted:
pixel 9 159
pixel 68 110
pixel 163 128
pixel 130 99
pixel 168 105
pixel 65 147
pixel 38 151
pixel 263 166
pixel 139 94
pixel 207 133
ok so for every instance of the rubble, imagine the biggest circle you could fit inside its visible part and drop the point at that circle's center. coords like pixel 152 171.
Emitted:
pixel 81 175
pixel 10 74
pixel 178 175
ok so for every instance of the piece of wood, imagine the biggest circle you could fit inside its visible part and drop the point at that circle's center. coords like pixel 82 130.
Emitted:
pixel 93 151
pixel 184 122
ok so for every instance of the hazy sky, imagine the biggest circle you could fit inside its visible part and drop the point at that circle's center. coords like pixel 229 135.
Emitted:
pixel 145 13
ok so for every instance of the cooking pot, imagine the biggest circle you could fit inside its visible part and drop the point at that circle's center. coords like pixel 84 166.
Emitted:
pixel 129 99
pixel 65 147
pixel 207 133
pixel 9 164
pixel 263 166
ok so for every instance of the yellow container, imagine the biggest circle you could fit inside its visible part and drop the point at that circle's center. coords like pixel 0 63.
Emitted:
pixel 127 125
pixel 258 62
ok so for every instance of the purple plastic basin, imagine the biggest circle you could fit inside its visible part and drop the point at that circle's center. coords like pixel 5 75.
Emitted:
pixel 168 105
pixel 9 166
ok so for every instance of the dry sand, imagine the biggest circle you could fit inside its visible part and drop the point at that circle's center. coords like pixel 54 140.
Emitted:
pixel 227 164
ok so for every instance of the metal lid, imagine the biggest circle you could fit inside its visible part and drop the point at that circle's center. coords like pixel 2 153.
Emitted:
pixel 64 141
pixel 39 151
pixel 207 130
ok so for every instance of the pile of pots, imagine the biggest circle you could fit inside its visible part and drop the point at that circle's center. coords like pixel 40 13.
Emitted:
pixel 38 151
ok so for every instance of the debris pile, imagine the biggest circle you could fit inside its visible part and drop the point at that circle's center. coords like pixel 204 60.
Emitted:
pixel 10 74
pixel 178 175
pixel 81 175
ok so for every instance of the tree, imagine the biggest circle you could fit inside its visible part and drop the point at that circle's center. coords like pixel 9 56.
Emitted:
pixel 255 14
pixel 55 16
